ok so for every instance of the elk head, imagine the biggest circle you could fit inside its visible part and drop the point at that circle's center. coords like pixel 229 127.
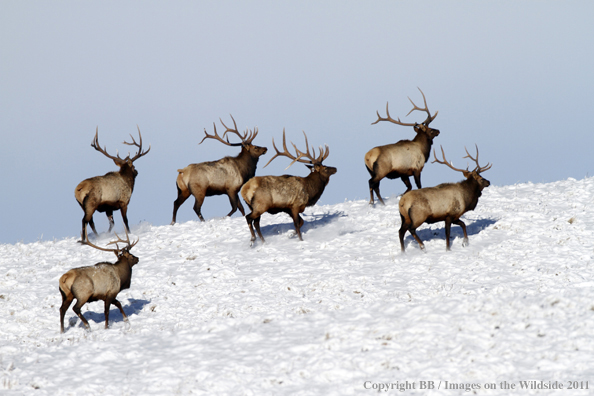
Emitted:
pixel 125 164
pixel 474 174
pixel 246 139
pixel 422 128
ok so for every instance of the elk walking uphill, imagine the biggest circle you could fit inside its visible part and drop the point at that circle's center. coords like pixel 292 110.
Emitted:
pixel 402 159
pixel 289 194
pixel 445 202
pixel 225 176
pixel 111 191
pixel 102 281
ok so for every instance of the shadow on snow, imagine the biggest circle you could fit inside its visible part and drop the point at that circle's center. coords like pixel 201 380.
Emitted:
pixel 309 222
pixel 427 234
pixel 132 308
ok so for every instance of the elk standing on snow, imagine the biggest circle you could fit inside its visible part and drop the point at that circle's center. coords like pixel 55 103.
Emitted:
pixel 225 176
pixel 111 191
pixel 402 159
pixel 102 281
pixel 289 194
pixel 445 202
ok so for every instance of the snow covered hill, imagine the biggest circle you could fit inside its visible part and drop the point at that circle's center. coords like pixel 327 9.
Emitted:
pixel 338 314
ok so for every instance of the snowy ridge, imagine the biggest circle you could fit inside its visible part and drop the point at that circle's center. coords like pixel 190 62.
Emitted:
pixel 211 315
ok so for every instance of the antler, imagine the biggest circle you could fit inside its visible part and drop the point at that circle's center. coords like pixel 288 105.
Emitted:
pixel 478 168
pixel 415 107
pixel 140 153
pixel 309 157
pixel 246 138
pixel 446 162
pixel 95 144
pixel 117 250
pixel 217 137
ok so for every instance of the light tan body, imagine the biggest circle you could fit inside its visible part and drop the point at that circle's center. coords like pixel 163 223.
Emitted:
pixel 222 177
pixel 288 194
pixel 278 192
pixel 215 177
pixel 403 158
pixel 440 202
pixel 445 202
pixel 111 190
pixel 102 281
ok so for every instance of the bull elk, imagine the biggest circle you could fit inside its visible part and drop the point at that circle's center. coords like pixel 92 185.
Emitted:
pixel 111 191
pixel 225 176
pixel 102 281
pixel 402 159
pixel 289 194
pixel 445 202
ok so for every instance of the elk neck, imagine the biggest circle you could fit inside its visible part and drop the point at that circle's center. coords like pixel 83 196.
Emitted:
pixel 472 192
pixel 314 184
pixel 247 164
pixel 128 173
pixel 424 143
pixel 124 271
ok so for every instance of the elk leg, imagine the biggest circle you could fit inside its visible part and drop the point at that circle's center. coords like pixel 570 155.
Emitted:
pixel 374 186
pixel 124 211
pixel 251 218
pixel 76 310
pixel 181 198
pixel 413 232
pixel 298 222
pixel 257 225
pixel 461 224
pixel 107 304
pixel 417 176
pixel 406 181
pixel 117 304
pixel 235 204
pixel 371 188
pixel 198 206
pixel 109 214
pixel 448 226
pixel 403 227
pixel 66 301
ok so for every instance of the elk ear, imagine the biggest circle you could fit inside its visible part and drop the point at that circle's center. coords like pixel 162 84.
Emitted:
pixel 310 167
pixel 467 174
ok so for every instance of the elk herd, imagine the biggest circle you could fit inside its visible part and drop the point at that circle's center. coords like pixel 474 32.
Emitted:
pixel 272 194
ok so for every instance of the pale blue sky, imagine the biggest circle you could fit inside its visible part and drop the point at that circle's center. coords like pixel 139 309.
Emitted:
pixel 515 77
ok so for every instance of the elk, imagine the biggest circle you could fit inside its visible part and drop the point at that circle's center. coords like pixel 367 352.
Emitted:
pixel 102 281
pixel 289 194
pixel 402 159
pixel 111 191
pixel 225 176
pixel 445 202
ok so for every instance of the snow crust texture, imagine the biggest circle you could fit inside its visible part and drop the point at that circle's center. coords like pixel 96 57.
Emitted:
pixel 211 315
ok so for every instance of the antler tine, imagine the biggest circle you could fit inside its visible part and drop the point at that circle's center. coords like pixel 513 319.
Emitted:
pixel 95 144
pixel 139 145
pixel 217 137
pixel 388 118
pixel 235 131
pixel 445 161
pixel 323 154
pixel 426 109
pixel 252 135
pixel 478 168
pixel 286 153
pixel 116 251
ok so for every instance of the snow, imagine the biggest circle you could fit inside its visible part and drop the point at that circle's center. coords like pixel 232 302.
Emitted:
pixel 209 314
